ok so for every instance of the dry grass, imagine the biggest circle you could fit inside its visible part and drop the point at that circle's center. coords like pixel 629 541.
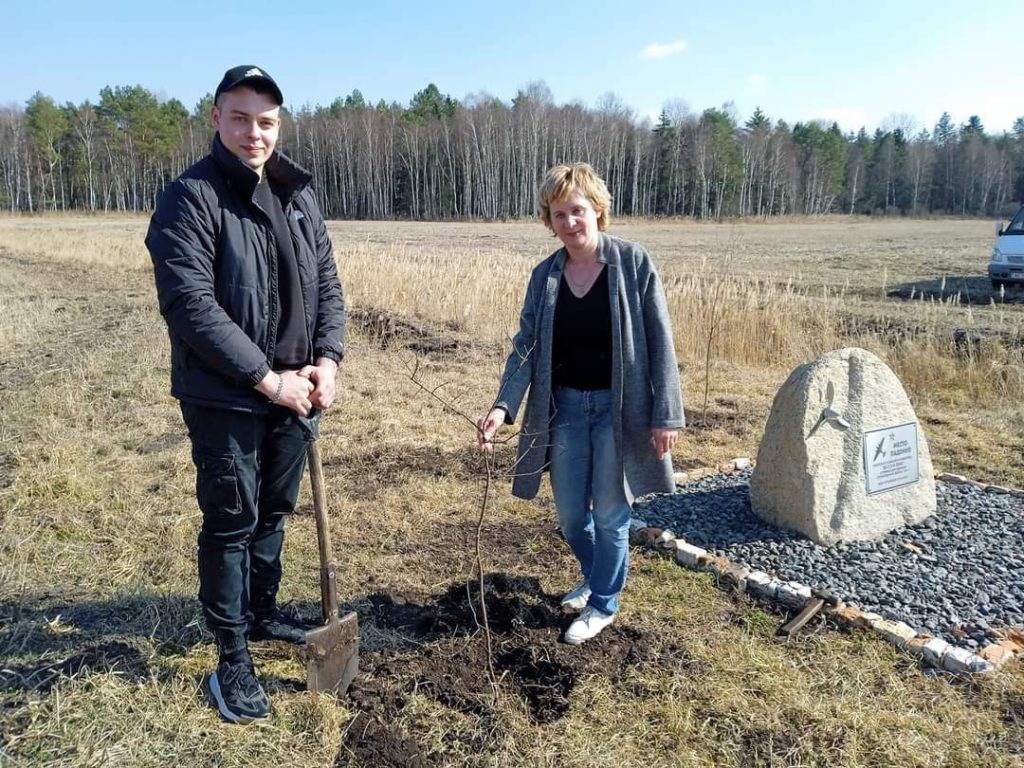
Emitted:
pixel 102 653
pixel 781 293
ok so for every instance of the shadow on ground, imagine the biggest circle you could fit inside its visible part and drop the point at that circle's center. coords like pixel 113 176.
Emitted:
pixel 966 289
pixel 433 647
pixel 65 638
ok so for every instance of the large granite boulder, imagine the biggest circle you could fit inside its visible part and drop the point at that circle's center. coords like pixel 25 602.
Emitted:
pixel 843 456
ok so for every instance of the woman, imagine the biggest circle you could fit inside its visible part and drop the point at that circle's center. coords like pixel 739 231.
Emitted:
pixel 595 351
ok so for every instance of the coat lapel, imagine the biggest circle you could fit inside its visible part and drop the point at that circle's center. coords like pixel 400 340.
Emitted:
pixel 551 289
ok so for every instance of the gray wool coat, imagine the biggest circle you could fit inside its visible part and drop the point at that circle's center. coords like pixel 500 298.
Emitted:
pixel 645 378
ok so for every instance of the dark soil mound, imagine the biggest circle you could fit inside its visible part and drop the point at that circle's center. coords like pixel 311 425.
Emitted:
pixel 444 656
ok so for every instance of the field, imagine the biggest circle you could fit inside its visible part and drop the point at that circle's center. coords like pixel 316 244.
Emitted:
pixel 103 653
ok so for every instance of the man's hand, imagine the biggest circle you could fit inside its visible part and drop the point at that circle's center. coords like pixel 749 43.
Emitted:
pixel 323 376
pixel 295 390
pixel 486 428
pixel 663 440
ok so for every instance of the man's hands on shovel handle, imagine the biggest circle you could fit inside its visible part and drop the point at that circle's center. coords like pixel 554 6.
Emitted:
pixel 312 386
pixel 323 375
pixel 287 389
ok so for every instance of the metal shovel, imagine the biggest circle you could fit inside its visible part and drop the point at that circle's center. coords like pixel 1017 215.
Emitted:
pixel 332 651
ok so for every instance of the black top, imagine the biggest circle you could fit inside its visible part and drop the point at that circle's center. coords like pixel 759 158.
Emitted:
pixel 581 352
pixel 292 348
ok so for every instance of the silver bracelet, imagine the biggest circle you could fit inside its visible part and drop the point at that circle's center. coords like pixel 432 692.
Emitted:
pixel 280 389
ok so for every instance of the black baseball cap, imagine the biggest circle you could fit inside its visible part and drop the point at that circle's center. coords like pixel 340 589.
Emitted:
pixel 247 73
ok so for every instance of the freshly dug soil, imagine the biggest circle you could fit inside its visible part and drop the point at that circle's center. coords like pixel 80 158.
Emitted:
pixel 444 656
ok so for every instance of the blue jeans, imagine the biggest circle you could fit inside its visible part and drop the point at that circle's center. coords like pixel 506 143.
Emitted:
pixel 589 495
pixel 248 469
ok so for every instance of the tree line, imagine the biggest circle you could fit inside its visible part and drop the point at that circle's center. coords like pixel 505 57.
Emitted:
pixel 441 158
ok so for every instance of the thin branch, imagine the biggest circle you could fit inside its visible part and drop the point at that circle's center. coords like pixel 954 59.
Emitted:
pixel 489 468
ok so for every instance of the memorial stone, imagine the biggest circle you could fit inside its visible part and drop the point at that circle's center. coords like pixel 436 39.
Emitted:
pixel 843 456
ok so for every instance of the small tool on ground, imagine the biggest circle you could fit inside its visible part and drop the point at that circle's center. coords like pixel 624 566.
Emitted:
pixel 332 651
pixel 809 612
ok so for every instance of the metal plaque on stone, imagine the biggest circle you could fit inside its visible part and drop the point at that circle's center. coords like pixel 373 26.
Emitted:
pixel 890 458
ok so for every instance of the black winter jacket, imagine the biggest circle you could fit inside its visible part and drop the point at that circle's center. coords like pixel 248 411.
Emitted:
pixel 215 265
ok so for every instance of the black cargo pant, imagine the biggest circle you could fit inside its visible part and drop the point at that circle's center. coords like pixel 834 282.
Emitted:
pixel 248 469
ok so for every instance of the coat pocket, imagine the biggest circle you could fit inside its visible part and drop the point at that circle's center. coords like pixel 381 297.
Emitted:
pixel 217 484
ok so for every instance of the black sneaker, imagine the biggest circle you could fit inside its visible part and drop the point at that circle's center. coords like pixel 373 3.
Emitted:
pixel 278 626
pixel 238 694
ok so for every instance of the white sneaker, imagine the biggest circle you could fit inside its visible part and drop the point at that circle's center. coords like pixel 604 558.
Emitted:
pixel 588 625
pixel 576 598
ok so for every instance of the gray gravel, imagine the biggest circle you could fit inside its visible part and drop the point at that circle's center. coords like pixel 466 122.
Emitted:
pixel 967 578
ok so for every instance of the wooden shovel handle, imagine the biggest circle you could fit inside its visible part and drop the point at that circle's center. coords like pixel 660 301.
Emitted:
pixel 328 578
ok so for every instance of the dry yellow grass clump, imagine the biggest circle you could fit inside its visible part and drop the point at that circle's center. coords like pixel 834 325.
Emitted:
pixel 102 650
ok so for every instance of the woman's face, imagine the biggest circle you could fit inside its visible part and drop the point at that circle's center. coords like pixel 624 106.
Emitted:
pixel 574 220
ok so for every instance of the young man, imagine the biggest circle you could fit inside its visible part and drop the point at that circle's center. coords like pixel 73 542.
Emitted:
pixel 248 286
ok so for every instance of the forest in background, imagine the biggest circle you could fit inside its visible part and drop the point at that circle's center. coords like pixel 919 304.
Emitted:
pixel 481 158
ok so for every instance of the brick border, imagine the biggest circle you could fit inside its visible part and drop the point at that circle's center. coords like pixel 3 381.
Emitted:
pixel 930 650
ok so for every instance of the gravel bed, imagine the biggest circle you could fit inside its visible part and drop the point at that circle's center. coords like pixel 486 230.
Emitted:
pixel 954 575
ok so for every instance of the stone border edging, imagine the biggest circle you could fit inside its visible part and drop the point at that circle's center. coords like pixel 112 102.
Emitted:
pixel 932 651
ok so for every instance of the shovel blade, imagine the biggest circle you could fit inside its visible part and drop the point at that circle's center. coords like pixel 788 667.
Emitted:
pixel 332 655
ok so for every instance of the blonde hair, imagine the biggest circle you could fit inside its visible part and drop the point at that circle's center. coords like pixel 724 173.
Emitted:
pixel 562 180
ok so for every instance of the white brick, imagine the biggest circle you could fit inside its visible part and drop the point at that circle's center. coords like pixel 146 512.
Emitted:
pixel 935 650
pixel 980 666
pixel 681 478
pixel 964 661
pixel 741 463
pixel 758 577
pixel 688 554
pixel 896 632
pixel 793 593
pixel 761 584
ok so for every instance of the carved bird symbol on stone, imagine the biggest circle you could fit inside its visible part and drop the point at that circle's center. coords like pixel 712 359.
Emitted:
pixel 828 414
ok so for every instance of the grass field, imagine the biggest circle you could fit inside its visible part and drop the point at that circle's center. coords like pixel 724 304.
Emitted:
pixel 102 649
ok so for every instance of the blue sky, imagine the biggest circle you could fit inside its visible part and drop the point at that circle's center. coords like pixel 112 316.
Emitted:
pixel 901 62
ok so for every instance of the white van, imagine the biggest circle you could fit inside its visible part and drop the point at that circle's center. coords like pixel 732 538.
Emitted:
pixel 1007 264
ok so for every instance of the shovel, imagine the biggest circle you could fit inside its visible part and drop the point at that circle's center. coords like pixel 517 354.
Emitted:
pixel 332 650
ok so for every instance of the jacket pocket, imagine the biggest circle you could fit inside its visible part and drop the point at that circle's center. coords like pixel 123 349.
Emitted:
pixel 217 484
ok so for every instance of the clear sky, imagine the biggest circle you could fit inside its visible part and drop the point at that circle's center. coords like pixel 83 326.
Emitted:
pixel 871 64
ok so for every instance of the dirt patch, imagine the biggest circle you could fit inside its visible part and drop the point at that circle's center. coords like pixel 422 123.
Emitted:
pixel 963 342
pixel 963 289
pixel 388 330
pixel 377 463
pixel 730 421
pixel 440 651
pixel 378 743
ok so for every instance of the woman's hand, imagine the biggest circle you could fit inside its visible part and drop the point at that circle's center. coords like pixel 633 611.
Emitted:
pixel 486 428
pixel 663 440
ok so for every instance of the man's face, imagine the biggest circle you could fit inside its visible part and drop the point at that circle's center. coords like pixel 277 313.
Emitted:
pixel 248 124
